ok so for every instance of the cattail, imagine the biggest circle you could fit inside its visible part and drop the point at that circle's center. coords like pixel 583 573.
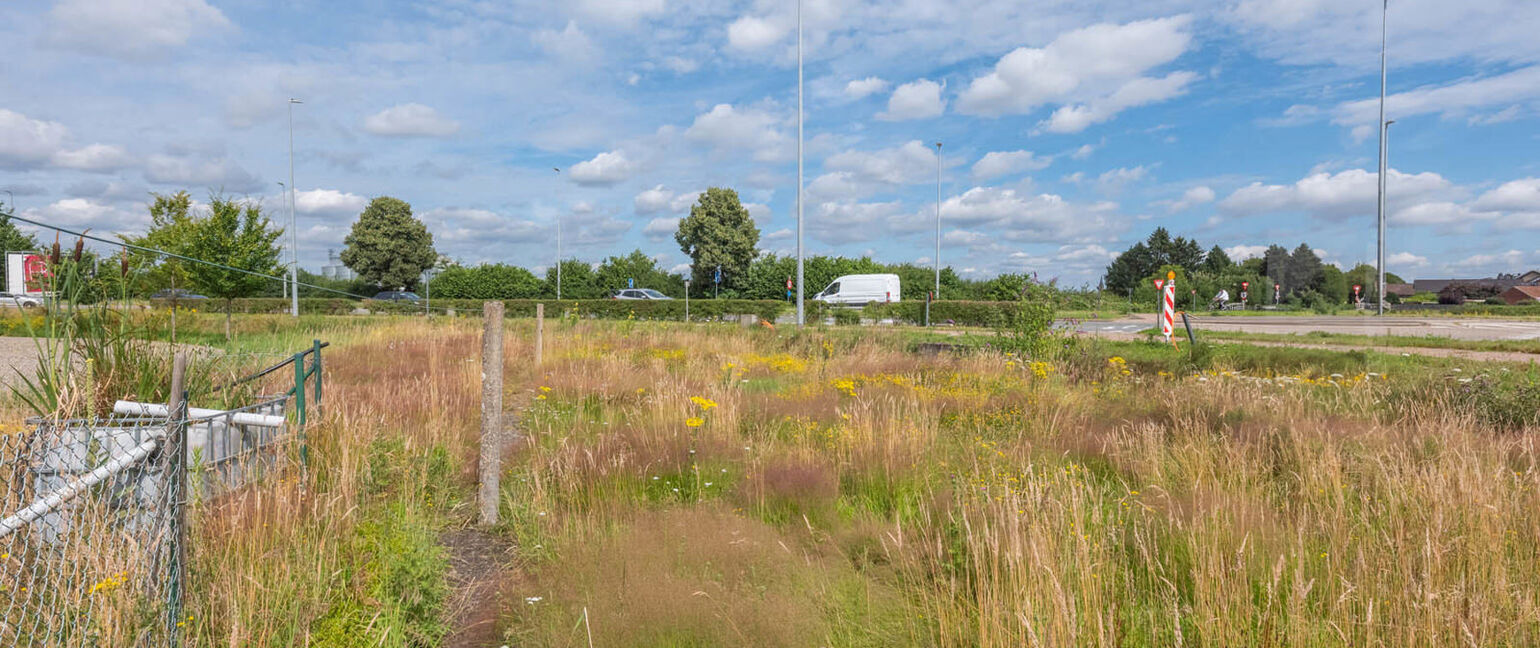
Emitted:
pixel 124 264
pixel 80 248
pixel 53 255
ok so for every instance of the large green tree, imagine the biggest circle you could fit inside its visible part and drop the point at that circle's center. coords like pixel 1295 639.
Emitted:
pixel 1144 259
pixel 1216 262
pixel 617 272
pixel 12 239
pixel 388 247
pixel 577 281
pixel 238 237
pixel 719 233
pixel 171 229
pixel 486 281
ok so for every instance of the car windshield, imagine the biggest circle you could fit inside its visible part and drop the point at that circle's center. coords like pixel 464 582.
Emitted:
pixel 407 295
pixel 653 293
pixel 833 288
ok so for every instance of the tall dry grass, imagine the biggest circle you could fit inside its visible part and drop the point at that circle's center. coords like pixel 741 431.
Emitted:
pixel 988 501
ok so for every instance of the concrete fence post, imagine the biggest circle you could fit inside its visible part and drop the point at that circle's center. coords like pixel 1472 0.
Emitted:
pixel 539 333
pixel 491 408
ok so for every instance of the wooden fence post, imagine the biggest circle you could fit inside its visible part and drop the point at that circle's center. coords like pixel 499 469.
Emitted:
pixel 491 408
pixel 539 333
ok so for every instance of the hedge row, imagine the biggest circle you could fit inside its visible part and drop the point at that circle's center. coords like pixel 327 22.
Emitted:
pixel 961 313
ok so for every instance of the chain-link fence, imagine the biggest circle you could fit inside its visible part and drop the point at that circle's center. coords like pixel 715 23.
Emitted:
pixel 92 542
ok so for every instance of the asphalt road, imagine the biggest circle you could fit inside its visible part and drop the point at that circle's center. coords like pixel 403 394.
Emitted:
pixel 1450 327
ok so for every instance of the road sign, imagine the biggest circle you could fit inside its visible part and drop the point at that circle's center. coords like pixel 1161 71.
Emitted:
pixel 718 278
pixel 630 282
pixel 1245 285
pixel 1159 283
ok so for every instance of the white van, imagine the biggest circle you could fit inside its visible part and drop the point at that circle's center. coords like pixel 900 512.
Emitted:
pixel 860 289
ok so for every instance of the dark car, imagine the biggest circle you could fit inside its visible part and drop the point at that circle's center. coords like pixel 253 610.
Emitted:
pixel 397 295
pixel 176 293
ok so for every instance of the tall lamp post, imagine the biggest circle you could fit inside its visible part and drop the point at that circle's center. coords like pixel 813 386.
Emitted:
pixel 558 245
pixel 1384 131
pixel 293 227
pixel 938 221
pixel 801 314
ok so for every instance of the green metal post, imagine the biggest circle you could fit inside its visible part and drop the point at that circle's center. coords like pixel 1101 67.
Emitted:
pixel 316 370
pixel 299 406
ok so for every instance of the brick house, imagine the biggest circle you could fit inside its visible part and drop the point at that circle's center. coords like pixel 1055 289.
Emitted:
pixel 1521 295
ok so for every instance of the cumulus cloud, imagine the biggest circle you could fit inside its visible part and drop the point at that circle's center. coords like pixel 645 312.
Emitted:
pixel 131 29
pixel 841 222
pixel 620 12
pixel 604 169
pixel 999 163
pixel 1243 252
pixel 1406 260
pixel 1199 195
pixel 192 171
pixel 652 200
pixel 729 129
pixel 661 229
pixel 329 202
pixel 862 88
pixel 1093 73
pixel 1334 196
pixel 1028 218
pixel 1521 195
pixel 753 33
pixel 915 100
pixel 82 213
pixel 410 120
pixel 1462 99
pixel 94 157
pixel 570 44
pixel 26 142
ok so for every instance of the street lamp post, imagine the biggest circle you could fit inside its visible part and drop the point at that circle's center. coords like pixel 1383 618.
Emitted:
pixel 293 227
pixel 558 245
pixel 938 221
pixel 1384 128
pixel 801 314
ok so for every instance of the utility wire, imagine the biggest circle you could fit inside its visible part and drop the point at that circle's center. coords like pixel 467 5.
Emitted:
pixel 174 255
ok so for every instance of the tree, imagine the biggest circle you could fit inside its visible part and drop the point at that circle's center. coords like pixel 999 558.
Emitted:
pixel 486 281
pixel 1275 264
pixel 1305 269
pixel 11 239
pixel 387 246
pixel 615 273
pixel 239 237
pixel 1142 260
pixel 718 233
pixel 171 229
pixel 1216 262
pixel 577 281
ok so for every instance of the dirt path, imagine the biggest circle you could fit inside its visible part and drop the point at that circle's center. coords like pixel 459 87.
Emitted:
pixel 477 560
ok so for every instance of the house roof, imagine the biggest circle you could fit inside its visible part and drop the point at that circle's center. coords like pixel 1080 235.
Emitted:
pixel 1533 292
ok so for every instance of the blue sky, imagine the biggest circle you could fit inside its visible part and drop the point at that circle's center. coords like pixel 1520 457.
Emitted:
pixel 1070 129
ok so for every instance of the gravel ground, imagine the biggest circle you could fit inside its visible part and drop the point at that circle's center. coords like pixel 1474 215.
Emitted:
pixel 16 354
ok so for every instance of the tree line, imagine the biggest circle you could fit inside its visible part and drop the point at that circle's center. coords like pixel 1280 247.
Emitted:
pixel 1300 276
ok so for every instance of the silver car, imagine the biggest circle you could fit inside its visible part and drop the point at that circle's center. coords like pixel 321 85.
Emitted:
pixel 638 293
pixel 21 301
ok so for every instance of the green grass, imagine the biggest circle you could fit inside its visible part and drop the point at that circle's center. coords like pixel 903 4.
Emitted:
pixel 1353 339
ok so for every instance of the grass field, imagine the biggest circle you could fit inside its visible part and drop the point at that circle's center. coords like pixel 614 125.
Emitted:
pixel 1348 339
pixel 716 486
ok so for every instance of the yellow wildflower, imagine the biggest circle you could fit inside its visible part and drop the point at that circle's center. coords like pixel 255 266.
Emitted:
pixel 694 422
pixel 704 403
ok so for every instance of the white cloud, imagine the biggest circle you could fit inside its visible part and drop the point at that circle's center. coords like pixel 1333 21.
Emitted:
pixel 1308 32
pixel 652 200
pixel 81 213
pixel 1432 213
pixel 1199 195
pixel 95 157
pixel 1023 218
pixel 681 65
pixel 844 222
pixel 1406 259
pixel 1504 261
pixel 570 44
pixel 328 202
pixel 410 120
pixel 1083 152
pixel 1336 195
pixel 192 172
pixel 604 169
pixel 729 129
pixel 1521 195
pixel 909 163
pixel 1137 92
pixel 1114 180
pixel 915 100
pixel 862 88
pixel 25 141
pixel 998 163
pixel 752 33
pixel 1243 252
pixel 620 12
pixel 661 229
pixel 132 29
pixel 1093 72
pixel 1461 99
